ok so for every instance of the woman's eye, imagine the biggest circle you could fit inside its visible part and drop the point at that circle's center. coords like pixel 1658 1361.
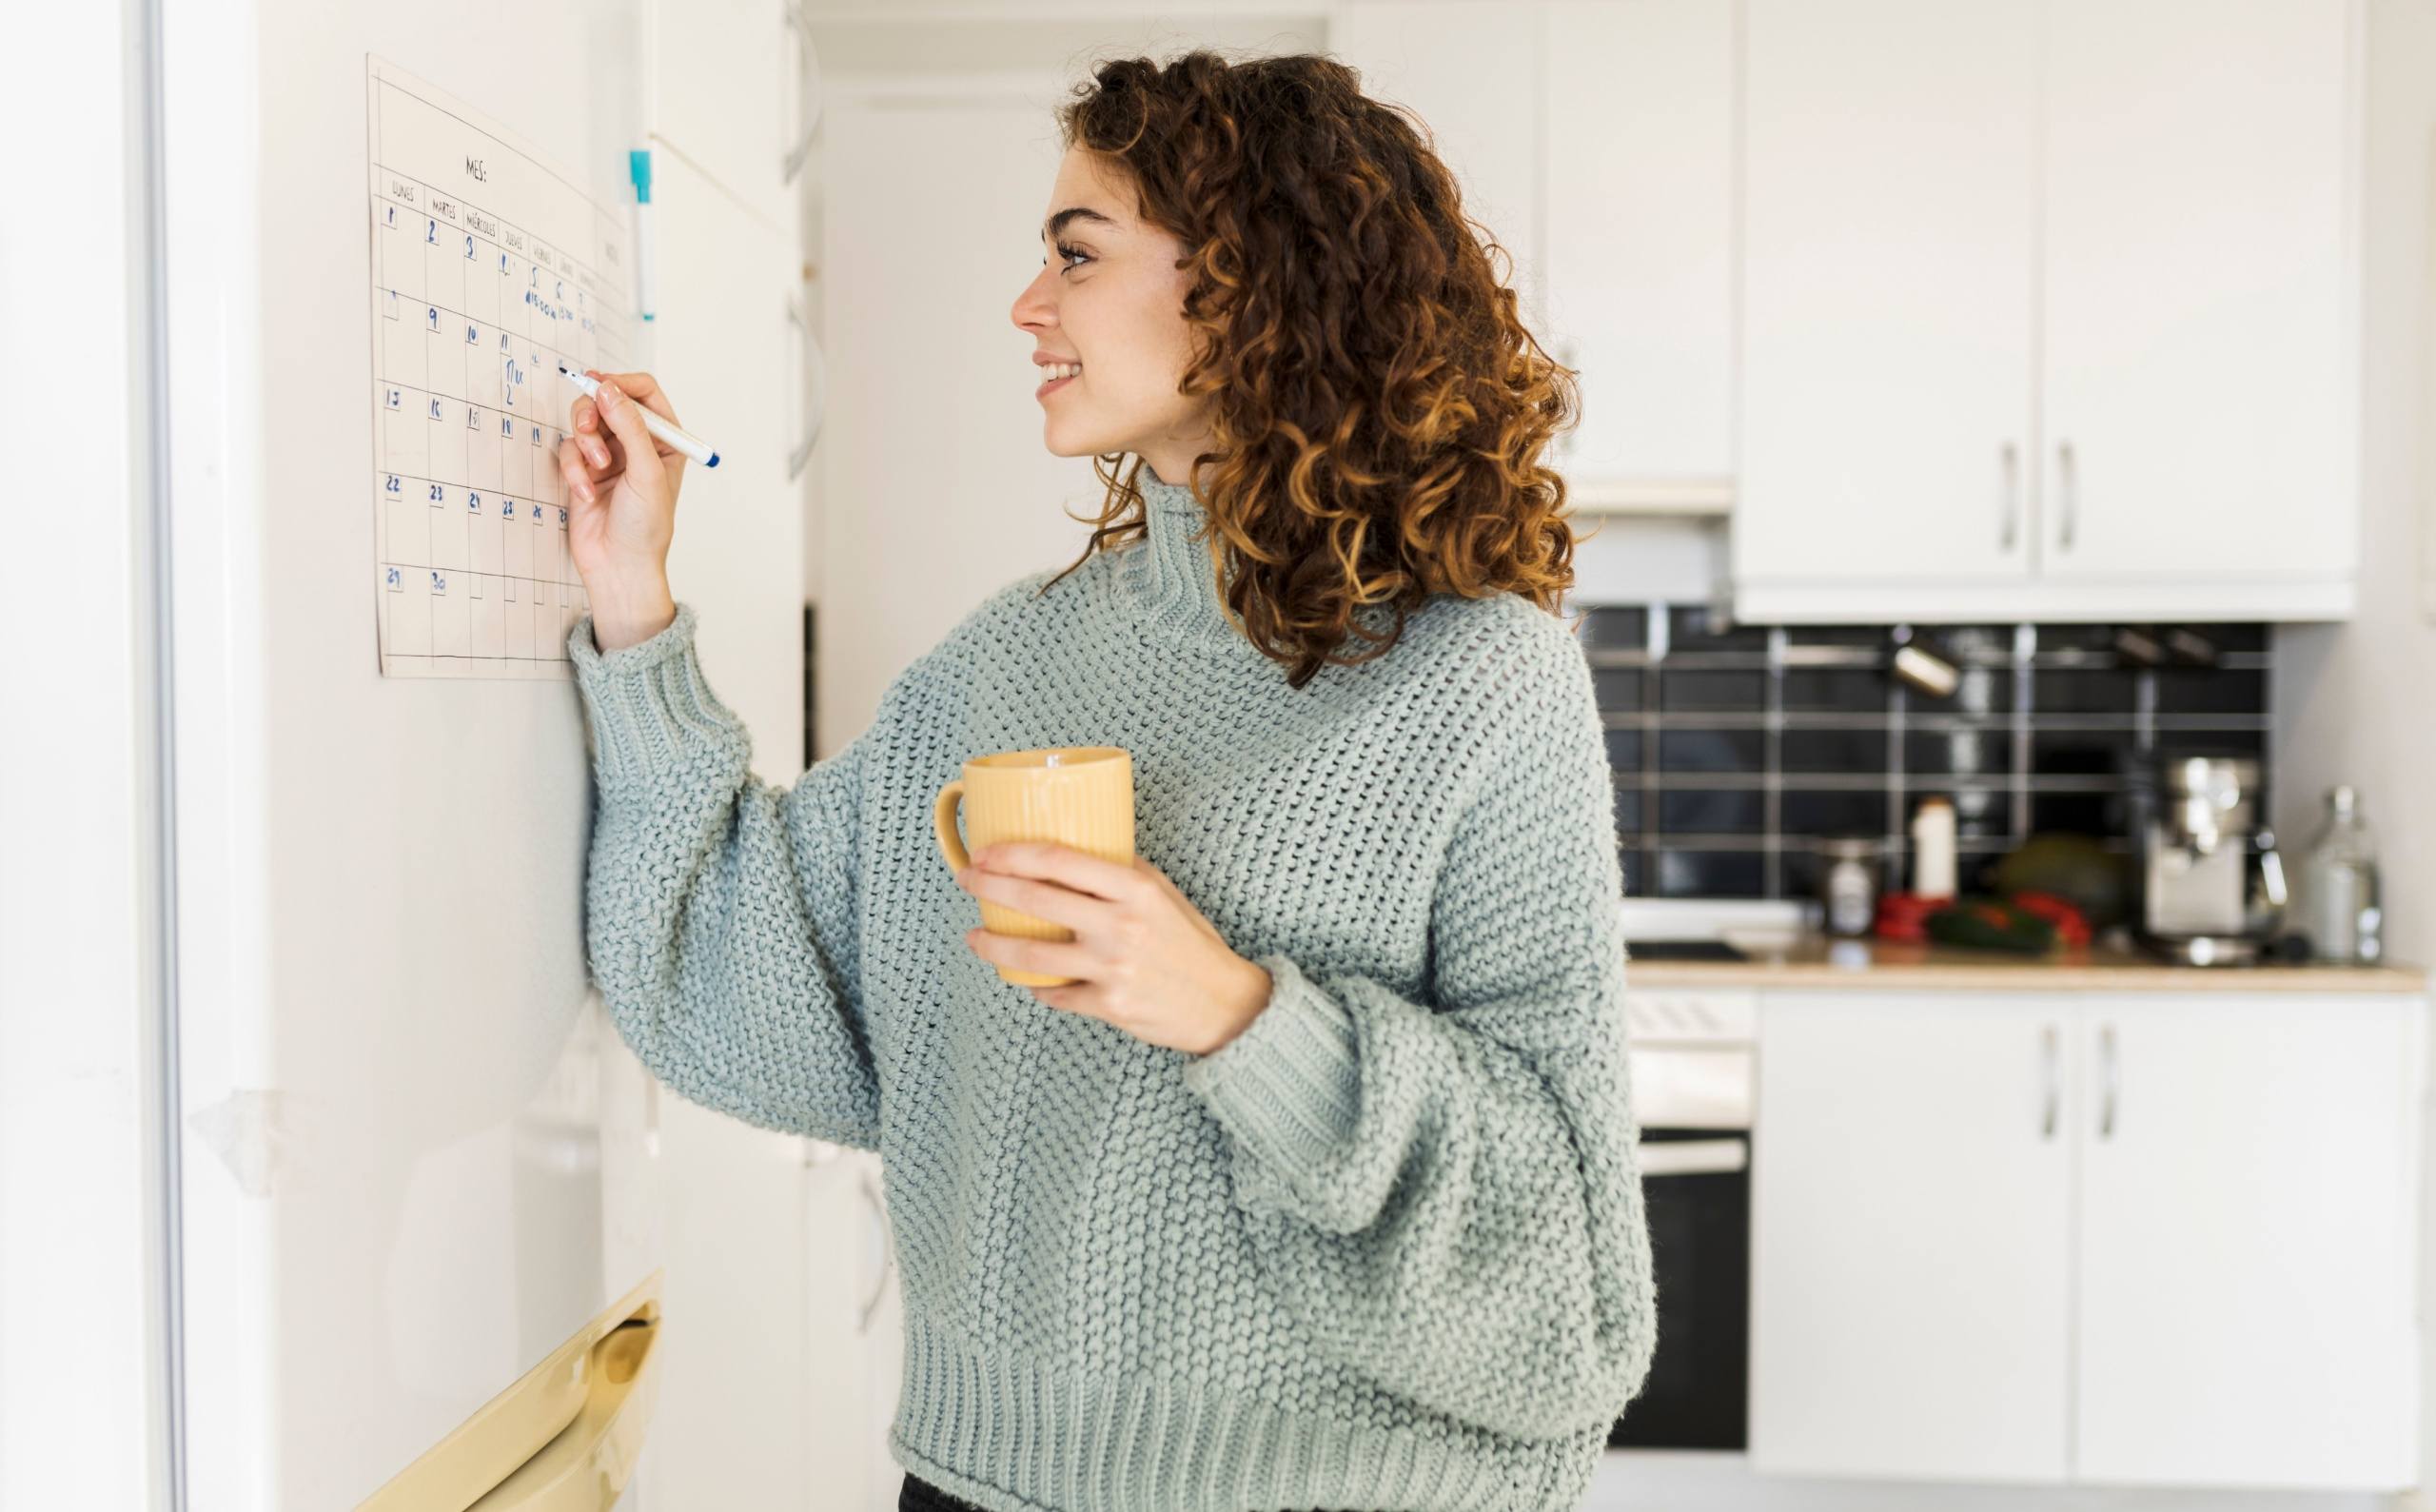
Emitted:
pixel 1063 250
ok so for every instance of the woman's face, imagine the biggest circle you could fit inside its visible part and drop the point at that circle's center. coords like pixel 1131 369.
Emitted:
pixel 1110 298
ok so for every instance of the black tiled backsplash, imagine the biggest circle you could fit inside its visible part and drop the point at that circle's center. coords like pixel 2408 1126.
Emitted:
pixel 1737 747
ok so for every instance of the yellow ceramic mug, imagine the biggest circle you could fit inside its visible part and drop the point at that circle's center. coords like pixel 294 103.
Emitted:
pixel 1080 796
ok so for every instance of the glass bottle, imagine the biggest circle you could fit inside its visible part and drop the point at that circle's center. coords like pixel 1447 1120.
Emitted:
pixel 2340 910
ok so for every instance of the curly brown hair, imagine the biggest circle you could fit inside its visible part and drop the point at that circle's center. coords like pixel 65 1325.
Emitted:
pixel 1380 409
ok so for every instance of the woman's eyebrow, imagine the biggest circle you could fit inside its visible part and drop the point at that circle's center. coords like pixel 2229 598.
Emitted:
pixel 1059 222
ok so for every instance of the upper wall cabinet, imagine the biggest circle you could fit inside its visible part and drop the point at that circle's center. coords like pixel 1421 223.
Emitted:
pixel 2050 310
pixel 1639 247
pixel 731 92
pixel 1594 138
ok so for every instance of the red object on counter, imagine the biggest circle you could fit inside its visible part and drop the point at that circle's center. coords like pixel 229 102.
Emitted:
pixel 2072 925
pixel 1904 915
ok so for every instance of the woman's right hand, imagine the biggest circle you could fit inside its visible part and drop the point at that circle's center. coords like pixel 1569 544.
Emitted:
pixel 621 508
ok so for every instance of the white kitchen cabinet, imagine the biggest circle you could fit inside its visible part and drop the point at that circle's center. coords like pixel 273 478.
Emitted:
pixel 1611 187
pixel 1639 252
pixel 1887 285
pixel 2199 199
pixel 2050 310
pixel 1911 1238
pixel 729 83
pixel 2155 1238
pixel 2248 1176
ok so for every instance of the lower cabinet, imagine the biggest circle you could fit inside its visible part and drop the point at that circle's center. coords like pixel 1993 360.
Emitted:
pixel 2147 1239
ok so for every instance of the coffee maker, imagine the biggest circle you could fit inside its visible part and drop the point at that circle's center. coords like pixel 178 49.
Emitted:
pixel 2211 881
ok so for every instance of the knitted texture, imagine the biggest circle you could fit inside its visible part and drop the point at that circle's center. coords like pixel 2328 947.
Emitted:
pixel 1386 1249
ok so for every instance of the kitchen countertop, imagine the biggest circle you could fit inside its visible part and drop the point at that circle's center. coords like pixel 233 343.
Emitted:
pixel 1817 961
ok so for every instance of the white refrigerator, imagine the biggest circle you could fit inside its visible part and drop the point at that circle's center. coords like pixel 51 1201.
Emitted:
pixel 408 1194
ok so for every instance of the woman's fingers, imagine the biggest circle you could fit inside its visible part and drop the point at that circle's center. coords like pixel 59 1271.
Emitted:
pixel 571 471
pixel 644 389
pixel 643 467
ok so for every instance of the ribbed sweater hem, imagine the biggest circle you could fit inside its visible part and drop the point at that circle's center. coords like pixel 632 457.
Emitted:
pixel 1018 1435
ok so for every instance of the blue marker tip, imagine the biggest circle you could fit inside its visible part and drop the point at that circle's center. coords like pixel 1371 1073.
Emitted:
pixel 714 461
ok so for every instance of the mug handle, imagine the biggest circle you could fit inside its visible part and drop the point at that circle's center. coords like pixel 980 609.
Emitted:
pixel 943 819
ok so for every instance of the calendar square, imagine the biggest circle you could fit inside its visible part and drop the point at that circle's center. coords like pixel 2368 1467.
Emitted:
pixel 449 617
pixel 481 453
pixel 516 542
pixel 444 359
pixel 405 443
pixel 516 461
pixel 448 529
pixel 481 287
pixel 444 267
pixel 447 440
pixel 401 352
pixel 402 255
pixel 482 365
pixel 405 527
pixel 489 630
pixel 405 615
pixel 485 533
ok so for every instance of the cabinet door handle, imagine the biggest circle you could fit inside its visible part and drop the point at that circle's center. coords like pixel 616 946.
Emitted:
pixel 887 1252
pixel 807 77
pixel 2050 1052
pixel 807 371
pixel 2009 508
pixel 2068 490
pixel 2111 1061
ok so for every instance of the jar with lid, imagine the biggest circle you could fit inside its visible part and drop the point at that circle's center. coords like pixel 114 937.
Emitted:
pixel 1849 868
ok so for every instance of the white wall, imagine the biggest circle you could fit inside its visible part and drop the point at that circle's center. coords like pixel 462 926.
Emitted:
pixel 82 1378
pixel 2352 700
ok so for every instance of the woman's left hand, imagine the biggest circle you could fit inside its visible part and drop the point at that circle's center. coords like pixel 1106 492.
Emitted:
pixel 1143 957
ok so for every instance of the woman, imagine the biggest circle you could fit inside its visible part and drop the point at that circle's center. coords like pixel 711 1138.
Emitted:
pixel 1317 1187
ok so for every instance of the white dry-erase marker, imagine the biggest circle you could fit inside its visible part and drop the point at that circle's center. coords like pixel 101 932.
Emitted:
pixel 677 436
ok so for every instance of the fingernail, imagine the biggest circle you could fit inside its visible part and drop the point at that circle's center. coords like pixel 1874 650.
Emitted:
pixel 609 396
pixel 583 491
pixel 599 453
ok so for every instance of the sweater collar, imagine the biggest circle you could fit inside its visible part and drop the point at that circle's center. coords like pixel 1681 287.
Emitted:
pixel 1169 578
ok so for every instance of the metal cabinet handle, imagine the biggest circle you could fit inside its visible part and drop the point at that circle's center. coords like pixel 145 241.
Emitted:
pixel 807 367
pixel 2068 489
pixel 807 68
pixel 2009 508
pixel 2114 1080
pixel 2050 1054
pixel 869 1186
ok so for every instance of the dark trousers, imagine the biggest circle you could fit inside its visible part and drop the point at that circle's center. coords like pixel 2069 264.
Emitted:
pixel 918 1495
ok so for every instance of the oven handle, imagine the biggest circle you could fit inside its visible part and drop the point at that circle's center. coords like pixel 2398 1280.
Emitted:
pixel 1692 1157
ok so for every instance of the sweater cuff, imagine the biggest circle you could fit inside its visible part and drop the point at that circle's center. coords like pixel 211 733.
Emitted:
pixel 648 706
pixel 1288 1088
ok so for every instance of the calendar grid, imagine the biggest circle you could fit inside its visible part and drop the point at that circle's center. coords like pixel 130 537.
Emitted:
pixel 476 299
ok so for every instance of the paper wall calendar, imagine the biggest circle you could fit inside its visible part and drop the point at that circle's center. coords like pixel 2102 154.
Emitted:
pixel 490 266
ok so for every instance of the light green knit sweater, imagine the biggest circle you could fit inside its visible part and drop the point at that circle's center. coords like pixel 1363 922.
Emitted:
pixel 1384 1249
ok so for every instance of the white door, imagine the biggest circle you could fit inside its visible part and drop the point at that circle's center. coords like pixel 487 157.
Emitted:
pixel 2201 200
pixel 1910 1223
pixel 2248 1175
pixel 1886 346
pixel 1640 241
